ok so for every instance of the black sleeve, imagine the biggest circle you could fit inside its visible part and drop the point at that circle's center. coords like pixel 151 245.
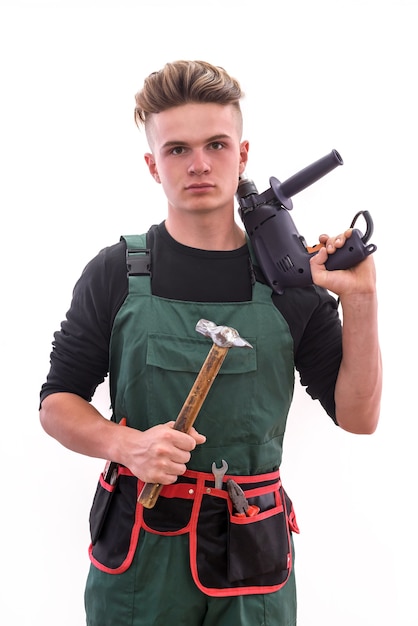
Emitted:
pixel 80 355
pixel 315 325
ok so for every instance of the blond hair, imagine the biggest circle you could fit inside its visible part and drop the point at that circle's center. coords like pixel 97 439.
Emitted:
pixel 184 82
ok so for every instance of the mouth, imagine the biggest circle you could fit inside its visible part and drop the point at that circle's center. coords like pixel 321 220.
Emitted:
pixel 199 187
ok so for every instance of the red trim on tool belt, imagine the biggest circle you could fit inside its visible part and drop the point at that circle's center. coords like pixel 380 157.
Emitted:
pixel 229 555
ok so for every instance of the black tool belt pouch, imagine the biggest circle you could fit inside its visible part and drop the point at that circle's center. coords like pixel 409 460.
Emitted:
pixel 243 554
pixel 265 557
pixel 229 555
pixel 113 523
pixel 173 509
pixel 100 506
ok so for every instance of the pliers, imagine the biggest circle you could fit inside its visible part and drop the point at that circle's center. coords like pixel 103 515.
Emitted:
pixel 239 501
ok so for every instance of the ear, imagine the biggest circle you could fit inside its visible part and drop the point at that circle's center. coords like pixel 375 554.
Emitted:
pixel 243 152
pixel 150 161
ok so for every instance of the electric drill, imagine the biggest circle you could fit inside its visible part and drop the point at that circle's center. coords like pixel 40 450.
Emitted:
pixel 280 250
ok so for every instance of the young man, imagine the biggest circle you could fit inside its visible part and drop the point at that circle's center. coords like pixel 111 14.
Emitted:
pixel 191 559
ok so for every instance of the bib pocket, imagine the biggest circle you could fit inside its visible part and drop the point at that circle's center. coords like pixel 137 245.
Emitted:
pixel 172 365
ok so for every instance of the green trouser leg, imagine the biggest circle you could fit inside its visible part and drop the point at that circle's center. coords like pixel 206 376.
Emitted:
pixel 158 590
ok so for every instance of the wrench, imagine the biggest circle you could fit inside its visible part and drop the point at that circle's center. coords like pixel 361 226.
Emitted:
pixel 219 473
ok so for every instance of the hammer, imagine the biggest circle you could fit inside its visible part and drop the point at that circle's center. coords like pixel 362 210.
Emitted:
pixel 223 338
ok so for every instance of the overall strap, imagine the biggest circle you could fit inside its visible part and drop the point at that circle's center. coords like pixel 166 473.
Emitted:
pixel 138 256
pixel 261 290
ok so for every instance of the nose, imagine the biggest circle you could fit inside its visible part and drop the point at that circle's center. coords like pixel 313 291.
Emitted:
pixel 199 165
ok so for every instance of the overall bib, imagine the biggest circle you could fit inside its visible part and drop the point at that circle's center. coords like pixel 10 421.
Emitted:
pixel 191 560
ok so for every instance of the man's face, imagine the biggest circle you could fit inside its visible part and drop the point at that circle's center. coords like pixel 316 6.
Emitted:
pixel 197 155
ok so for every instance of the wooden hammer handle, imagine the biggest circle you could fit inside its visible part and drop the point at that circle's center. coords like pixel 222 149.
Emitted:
pixel 189 411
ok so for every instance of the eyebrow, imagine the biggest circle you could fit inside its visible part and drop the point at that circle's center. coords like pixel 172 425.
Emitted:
pixel 173 143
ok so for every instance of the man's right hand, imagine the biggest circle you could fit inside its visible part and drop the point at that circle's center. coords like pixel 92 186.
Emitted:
pixel 157 455
pixel 161 453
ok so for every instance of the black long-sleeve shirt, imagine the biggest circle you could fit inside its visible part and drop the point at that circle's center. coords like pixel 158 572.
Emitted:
pixel 80 356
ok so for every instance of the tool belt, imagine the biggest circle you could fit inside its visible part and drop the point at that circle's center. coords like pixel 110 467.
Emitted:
pixel 229 554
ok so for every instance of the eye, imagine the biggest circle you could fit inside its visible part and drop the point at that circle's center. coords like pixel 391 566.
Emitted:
pixel 216 145
pixel 177 150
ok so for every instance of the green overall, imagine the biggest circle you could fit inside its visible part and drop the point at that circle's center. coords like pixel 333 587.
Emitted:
pixel 155 355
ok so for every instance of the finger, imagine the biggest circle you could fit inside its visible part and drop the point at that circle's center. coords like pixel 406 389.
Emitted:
pixel 179 456
pixel 188 441
pixel 335 242
pixel 172 469
pixel 198 437
pixel 331 243
pixel 320 257
pixel 165 471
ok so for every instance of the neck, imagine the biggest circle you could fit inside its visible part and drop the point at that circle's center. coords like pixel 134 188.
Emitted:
pixel 206 233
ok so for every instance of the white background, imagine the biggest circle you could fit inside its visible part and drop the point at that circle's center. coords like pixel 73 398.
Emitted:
pixel 317 76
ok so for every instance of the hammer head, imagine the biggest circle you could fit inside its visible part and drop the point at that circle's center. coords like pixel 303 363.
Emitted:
pixel 222 336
